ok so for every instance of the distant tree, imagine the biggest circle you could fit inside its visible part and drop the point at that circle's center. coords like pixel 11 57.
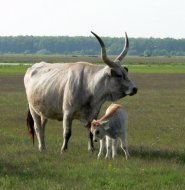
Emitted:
pixel 90 46
pixel 147 53
pixel 43 51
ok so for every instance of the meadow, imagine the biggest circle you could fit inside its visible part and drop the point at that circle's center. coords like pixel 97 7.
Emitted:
pixel 155 138
pixel 131 60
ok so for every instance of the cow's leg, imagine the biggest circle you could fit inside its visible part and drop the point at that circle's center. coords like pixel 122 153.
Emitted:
pixel 67 123
pixel 90 142
pixel 101 148
pixel 114 148
pixel 108 146
pixel 124 146
pixel 39 127
pixel 42 131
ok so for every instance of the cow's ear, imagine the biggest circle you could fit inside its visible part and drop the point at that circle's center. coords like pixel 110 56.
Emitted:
pixel 126 69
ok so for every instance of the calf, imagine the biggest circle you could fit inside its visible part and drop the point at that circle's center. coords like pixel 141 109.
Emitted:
pixel 111 127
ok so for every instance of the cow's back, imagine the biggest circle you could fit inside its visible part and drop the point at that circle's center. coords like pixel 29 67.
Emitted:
pixel 44 85
pixel 44 72
pixel 51 88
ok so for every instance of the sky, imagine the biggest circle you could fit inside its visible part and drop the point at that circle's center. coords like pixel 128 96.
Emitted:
pixel 139 18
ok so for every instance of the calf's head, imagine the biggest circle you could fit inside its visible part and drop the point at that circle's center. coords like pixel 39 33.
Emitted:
pixel 117 80
pixel 98 129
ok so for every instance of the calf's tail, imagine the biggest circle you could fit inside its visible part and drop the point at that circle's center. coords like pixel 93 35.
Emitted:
pixel 30 125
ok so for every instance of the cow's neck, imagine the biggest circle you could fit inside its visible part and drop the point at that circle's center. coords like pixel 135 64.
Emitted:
pixel 99 91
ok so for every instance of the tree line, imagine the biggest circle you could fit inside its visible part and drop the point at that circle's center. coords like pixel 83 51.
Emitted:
pixel 90 46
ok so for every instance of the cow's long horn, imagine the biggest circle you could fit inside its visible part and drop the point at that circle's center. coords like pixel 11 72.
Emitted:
pixel 125 50
pixel 103 51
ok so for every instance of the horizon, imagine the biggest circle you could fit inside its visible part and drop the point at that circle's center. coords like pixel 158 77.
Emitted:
pixel 91 36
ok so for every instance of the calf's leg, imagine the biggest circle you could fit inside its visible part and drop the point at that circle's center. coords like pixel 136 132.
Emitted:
pixel 101 148
pixel 108 146
pixel 114 148
pixel 124 146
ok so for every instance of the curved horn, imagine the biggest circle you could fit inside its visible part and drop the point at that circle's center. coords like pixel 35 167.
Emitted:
pixel 103 51
pixel 125 50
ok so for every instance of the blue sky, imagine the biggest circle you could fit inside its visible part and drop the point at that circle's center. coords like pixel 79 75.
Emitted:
pixel 139 18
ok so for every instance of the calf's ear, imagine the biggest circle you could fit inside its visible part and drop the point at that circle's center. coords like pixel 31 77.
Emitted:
pixel 104 122
pixel 105 125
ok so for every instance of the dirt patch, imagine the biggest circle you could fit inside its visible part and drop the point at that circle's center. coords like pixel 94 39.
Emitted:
pixel 143 81
pixel 11 83
pixel 157 81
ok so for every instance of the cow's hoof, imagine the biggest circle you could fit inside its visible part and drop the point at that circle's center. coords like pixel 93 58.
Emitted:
pixel 91 150
pixel 42 149
pixel 63 150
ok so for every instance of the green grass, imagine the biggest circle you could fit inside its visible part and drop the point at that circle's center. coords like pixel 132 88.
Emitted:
pixel 178 68
pixel 35 58
pixel 155 137
pixel 135 64
pixel 13 70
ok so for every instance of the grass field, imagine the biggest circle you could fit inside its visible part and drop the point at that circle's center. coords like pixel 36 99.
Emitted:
pixel 140 60
pixel 155 138
pixel 179 68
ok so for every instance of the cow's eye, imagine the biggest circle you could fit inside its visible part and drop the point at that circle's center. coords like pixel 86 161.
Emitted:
pixel 124 77
pixel 97 132
pixel 119 76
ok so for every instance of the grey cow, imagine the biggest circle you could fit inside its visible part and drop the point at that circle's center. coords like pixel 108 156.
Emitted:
pixel 73 91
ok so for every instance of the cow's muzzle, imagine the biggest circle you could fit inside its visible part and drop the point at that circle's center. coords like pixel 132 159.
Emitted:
pixel 134 91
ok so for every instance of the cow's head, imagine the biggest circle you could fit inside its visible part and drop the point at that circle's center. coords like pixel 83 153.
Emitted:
pixel 118 82
pixel 98 129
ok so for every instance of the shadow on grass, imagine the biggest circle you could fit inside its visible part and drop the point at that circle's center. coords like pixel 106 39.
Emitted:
pixel 150 154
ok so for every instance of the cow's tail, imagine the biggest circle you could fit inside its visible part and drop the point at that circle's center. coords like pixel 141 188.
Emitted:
pixel 30 125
